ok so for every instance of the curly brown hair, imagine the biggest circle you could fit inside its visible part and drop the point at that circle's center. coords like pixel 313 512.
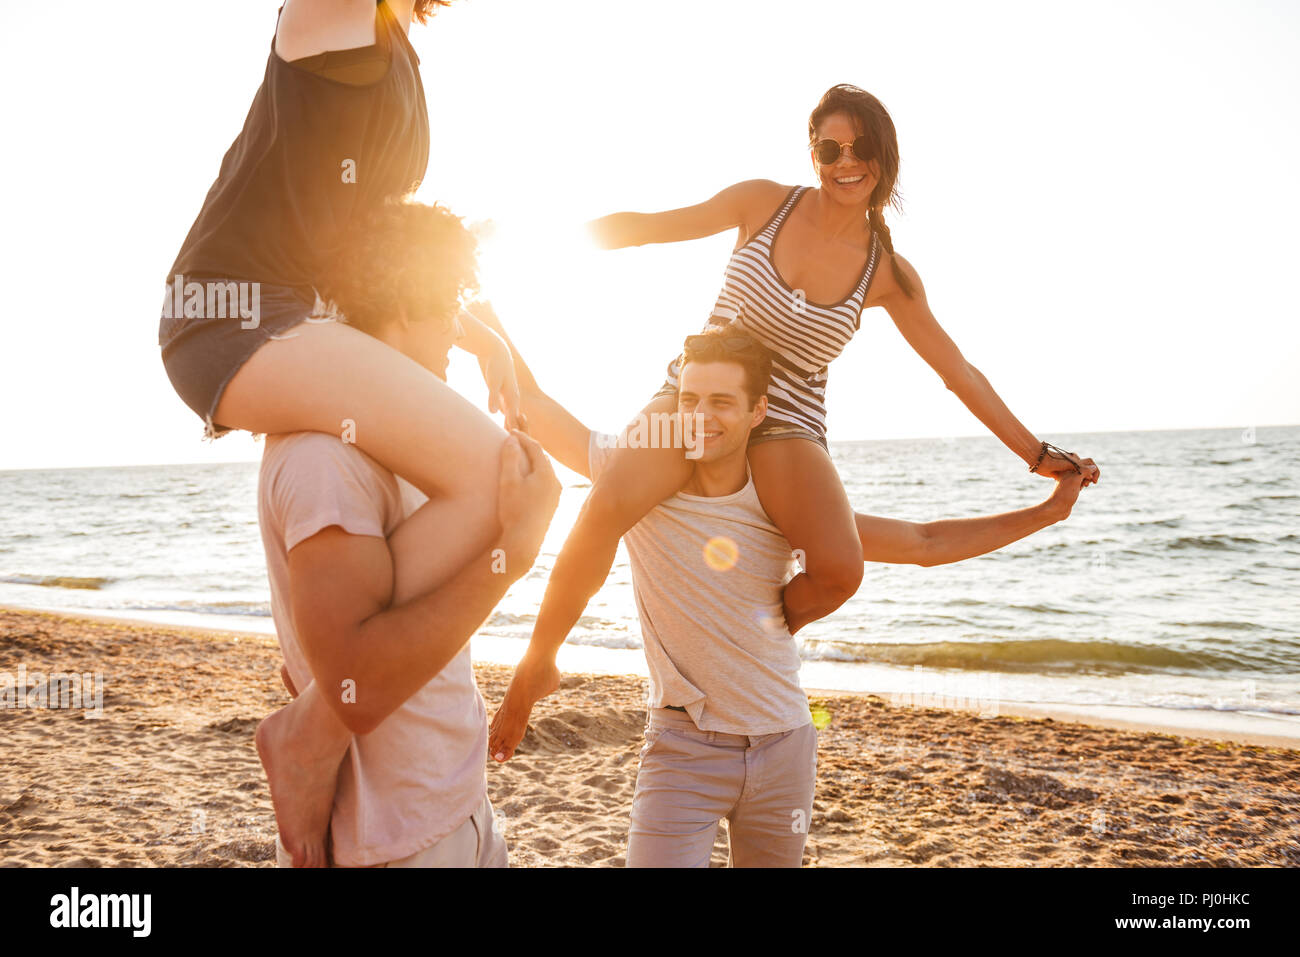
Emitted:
pixel 874 122
pixel 424 9
pixel 404 255
pixel 727 344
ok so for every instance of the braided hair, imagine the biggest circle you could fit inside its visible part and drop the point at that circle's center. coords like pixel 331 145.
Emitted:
pixel 873 120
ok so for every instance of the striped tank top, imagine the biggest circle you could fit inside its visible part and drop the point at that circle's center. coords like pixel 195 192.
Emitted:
pixel 804 336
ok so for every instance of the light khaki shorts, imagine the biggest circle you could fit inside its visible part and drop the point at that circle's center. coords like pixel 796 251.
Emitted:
pixel 690 780
pixel 476 843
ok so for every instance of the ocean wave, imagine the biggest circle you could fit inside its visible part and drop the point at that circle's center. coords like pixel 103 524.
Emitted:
pixel 599 630
pixel 58 581
pixel 240 608
pixel 1108 542
pixel 1217 704
pixel 621 640
pixel 1245 708
pixel 1225 625
pixel 1217 542
pixel 1043 609
pixel 502 619
pixel 1029 655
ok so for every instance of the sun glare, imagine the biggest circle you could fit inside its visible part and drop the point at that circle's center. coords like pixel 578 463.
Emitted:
pixel 526 266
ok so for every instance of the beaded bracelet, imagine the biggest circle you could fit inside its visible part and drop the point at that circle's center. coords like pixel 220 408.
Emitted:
pixel 1064 455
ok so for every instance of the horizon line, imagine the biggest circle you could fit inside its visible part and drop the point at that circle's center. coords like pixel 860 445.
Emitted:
pixel 909 438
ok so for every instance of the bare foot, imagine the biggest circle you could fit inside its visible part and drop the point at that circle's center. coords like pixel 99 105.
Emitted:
pixel 301 746
pixel 535 677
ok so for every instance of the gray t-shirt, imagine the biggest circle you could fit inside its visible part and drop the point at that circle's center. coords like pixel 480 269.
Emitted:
pixel 708 574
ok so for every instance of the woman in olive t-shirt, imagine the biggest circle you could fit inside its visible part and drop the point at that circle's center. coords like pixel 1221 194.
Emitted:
pixel 338 127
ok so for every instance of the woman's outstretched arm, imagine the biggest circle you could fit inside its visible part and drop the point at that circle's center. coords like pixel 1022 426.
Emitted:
pixel 912 316
pixel 731 208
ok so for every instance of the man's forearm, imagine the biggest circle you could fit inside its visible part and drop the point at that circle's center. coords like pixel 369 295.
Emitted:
pixel 399 650
pixel 561 609
pixel 560 432
pixel 479 338
pixel 524 375
pixel 955 539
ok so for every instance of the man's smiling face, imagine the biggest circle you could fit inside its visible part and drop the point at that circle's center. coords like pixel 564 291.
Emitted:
pixel 715 409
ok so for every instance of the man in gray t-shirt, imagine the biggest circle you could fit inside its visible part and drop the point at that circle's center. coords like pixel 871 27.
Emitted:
pixel 729 732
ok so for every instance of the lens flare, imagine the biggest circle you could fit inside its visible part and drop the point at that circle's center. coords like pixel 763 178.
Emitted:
pixel 721 553
pixel 821 717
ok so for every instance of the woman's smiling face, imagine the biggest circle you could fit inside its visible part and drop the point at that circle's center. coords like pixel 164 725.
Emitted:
pixel 849 180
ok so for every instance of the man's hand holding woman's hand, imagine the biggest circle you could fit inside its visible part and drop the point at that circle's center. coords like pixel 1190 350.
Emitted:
pixel 1058 468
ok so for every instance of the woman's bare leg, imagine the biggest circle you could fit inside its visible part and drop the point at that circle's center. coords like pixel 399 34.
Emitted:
pixel 334 379
pixel 631 483
pixel 803 495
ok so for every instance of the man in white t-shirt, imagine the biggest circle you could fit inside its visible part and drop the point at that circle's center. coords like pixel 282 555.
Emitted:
pixel 412 787
pixel 376 590
pixel 729 731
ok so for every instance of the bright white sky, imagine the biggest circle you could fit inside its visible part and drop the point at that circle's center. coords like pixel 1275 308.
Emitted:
pixel 1101 199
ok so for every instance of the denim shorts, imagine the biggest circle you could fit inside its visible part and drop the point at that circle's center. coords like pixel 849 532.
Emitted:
pixel 202 353
pixel 769 430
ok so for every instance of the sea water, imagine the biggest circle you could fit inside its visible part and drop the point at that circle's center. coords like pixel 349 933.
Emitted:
pixel 1173 584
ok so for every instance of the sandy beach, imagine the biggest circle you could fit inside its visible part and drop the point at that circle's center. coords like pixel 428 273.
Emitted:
pixel 168 774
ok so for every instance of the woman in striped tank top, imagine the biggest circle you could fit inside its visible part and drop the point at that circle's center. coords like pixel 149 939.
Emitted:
pixel 807 262
pixel 803 336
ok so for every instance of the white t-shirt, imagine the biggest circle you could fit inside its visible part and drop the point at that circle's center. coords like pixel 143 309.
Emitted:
pixel 421 773
pixel 708 573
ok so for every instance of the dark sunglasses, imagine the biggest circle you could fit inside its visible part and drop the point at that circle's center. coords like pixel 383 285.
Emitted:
pixel 828 151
